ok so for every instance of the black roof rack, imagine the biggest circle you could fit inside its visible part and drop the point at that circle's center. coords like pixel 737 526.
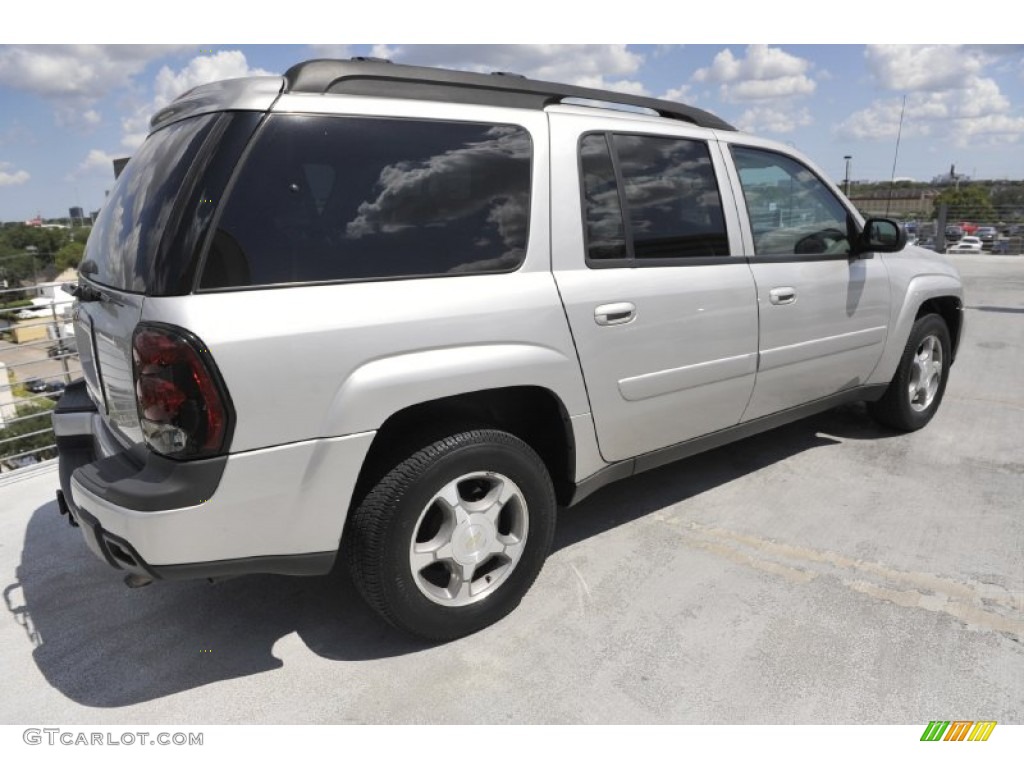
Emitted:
pixel 364 77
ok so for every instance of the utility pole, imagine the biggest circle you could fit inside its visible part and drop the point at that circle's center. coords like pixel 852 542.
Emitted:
pixel 846 184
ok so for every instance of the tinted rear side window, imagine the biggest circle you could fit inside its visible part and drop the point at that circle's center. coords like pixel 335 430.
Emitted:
pixel 606 234
pixel 674 206
pixel 347 198
pixel 649 199
pixel 123 244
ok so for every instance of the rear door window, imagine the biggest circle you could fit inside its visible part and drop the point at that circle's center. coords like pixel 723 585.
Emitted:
pixel 650 199
pixel 324 198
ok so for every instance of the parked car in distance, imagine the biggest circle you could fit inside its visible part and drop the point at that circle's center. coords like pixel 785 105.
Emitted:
pixel 37 386
pixel 954 232
pixel 987 235
pixel 66 346
pixel 488 300
pixel 967 244
pixel 36 311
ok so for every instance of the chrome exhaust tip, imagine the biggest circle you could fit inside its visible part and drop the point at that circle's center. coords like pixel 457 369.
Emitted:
pixel 137 580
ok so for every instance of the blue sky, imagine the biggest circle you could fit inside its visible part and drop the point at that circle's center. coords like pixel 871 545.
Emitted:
pixel 66 110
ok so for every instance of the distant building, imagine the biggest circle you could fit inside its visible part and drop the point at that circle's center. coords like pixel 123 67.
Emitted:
pixel 950 178
pixel 36 222
pixel 76 213
pixel 903 202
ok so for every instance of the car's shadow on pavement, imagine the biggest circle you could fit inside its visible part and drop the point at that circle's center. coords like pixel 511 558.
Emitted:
pixel 643 494
pixel 103 645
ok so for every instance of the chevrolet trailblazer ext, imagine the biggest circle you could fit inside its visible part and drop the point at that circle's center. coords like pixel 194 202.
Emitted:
pixel 402 314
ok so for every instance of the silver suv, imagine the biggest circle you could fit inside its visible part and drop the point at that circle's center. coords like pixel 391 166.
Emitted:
pixel 402 314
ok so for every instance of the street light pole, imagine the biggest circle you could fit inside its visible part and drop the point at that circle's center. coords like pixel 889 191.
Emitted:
pixel 846 183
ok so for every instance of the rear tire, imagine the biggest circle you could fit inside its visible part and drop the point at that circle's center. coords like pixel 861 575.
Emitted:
pixel 915 392
pixel 452 537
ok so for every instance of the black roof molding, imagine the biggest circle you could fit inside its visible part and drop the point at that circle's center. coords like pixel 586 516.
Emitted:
pixel 363 77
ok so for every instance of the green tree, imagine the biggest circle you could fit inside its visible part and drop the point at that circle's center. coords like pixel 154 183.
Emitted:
pixel 1009 201
pixel 80 234
pixel 26 427
pixel 70 255
pixel 45 241
pixel 16 266
pixel 969 203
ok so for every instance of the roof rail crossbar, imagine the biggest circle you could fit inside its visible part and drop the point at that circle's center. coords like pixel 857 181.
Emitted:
pixel 375 78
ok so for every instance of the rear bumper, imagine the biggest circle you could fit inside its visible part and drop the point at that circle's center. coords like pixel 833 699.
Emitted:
pixel 275 510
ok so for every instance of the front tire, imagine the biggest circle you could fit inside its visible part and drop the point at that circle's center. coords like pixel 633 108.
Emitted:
pixel 450 540
pixel 915 392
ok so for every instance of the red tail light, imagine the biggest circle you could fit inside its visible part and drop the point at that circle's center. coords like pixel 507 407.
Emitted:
pixel 183 407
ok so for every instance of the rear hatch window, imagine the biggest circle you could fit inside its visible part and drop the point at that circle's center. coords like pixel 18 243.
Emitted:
pixel 123 246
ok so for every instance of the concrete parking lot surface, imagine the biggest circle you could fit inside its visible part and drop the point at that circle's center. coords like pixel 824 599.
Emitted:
pixel 827 572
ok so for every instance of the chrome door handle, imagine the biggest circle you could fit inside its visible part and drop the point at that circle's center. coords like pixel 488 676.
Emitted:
pixel 615 314
pixel 785 295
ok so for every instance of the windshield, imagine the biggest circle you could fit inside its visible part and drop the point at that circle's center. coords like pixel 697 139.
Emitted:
pixel 124 242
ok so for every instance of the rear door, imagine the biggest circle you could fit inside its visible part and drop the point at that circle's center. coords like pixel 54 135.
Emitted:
pixel 823 314
pixel 663 316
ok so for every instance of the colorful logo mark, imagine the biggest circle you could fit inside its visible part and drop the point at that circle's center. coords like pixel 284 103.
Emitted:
pixel 958 730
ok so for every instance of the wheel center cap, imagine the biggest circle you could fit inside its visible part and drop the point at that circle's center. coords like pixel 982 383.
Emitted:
pixel 471 542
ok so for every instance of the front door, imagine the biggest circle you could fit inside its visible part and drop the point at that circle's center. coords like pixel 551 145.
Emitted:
pixel 823 314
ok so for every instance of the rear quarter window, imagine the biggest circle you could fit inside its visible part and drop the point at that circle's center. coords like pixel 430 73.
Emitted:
pixel 325 198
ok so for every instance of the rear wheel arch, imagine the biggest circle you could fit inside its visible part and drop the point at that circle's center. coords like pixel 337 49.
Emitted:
pixel 453 536
pixel 535 415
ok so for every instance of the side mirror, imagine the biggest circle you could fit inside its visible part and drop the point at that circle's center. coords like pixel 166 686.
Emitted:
pixel 881 236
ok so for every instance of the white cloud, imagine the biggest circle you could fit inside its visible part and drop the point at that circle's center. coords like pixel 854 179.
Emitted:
pixel 12 179
pixel 881 119
pixel 169 84
pixel 980 96
pixel 975 107
pixel 74 77
pixel 989 130
pixel 776 88
pixel 222 65
pixel 923 67
pixel 683 93
pixel 576 64
pixel 773 120
pixel 763 73
pixel 97 159
pixel 81 71
pixel 634 87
